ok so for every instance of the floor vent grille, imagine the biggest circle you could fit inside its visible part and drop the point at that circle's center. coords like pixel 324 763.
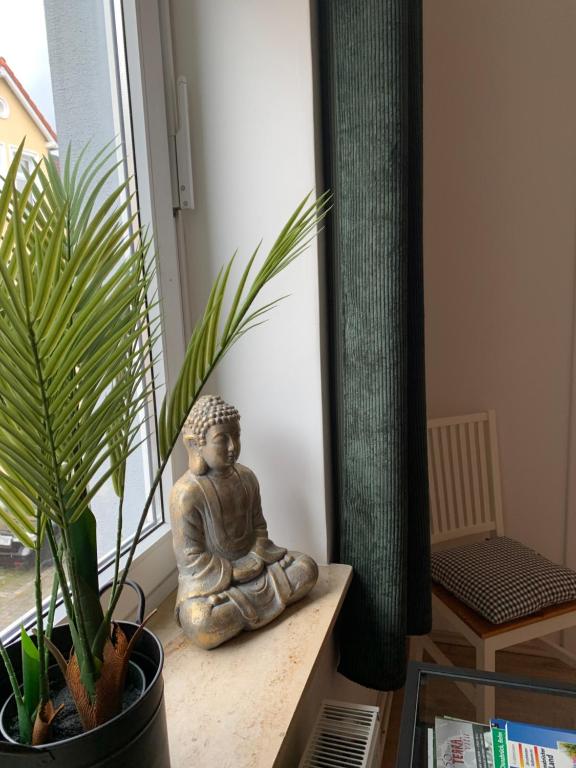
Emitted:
pixel 344 736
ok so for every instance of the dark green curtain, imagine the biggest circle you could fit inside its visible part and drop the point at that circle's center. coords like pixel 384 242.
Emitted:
pixel 371 78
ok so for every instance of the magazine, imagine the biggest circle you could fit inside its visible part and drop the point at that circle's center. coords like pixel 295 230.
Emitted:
pixel 499 748
pixel 431 752
pixel 533 746
pixel 461 744
pixel 454 743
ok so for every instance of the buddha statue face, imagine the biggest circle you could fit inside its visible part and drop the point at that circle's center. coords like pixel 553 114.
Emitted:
pixel 212 436
pixel 222 446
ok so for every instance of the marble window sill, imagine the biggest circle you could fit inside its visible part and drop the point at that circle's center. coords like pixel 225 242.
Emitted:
pixel 234 705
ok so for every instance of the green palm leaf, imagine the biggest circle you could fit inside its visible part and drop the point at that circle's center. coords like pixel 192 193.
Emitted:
pixel 75 348
pixel 208 343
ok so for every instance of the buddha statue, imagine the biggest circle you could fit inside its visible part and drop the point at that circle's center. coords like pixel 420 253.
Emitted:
pixel 231 576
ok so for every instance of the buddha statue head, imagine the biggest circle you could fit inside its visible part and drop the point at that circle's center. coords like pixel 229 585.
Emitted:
pixel 212 436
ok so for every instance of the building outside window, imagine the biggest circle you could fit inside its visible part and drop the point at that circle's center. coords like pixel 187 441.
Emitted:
pixel 21 119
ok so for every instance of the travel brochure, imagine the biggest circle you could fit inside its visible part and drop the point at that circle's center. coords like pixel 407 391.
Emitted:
pixel 453 743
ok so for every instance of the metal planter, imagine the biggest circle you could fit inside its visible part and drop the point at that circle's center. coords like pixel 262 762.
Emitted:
pixel 136 737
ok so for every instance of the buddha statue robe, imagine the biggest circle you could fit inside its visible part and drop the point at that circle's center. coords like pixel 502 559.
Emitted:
pixel 231 576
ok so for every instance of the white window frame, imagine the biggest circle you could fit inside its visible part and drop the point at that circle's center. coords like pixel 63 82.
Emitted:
pixel 34 156
pixel 154 566
pixel 4 109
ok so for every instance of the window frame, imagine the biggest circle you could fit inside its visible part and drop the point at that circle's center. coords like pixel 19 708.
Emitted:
pixel 154 565
pixel 27 154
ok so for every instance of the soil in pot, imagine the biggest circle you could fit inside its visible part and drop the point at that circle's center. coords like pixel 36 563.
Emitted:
pixel 67 722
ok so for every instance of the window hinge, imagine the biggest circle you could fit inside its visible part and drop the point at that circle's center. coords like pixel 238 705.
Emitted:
pixel 181 152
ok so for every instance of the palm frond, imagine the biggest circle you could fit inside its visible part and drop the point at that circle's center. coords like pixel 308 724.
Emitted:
pixel 208 343
pixel 73 324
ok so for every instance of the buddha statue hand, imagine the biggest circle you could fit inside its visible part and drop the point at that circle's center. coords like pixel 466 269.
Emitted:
pixel 218 599
pixel 247 568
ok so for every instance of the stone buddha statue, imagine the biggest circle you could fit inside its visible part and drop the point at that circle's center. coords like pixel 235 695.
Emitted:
pixel 231 576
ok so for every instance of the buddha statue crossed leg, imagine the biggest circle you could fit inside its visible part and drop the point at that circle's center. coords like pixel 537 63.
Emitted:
pixel 231 576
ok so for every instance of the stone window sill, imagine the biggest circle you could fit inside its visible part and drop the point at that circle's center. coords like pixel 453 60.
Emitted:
pixel 235 705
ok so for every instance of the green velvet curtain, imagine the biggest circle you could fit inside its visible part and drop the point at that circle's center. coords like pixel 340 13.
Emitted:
pixel 371 78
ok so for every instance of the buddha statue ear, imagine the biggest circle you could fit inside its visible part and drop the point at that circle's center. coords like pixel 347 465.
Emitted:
pixel 196 463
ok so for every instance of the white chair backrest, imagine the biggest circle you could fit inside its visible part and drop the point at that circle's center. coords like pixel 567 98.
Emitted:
pixel 464 476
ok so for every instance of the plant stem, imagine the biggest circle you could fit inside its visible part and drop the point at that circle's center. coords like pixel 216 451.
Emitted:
pixel 56 556
pixel 11 673
pixel 80 625
pixel 23 720
pixel 40 613
pixel 52 606
pixel 120 584
pixel 118 542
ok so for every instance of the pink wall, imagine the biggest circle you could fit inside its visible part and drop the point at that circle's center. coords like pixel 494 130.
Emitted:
pixel 499 235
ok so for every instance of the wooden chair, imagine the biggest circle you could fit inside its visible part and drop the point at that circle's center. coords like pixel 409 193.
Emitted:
pixel 466 503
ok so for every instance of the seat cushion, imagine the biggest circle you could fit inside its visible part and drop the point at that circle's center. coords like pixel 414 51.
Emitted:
pixel 502 579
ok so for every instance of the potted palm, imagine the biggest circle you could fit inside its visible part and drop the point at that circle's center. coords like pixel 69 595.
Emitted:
pixel 77 339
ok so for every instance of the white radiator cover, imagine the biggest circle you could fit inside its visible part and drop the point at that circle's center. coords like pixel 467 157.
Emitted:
pixel 344 736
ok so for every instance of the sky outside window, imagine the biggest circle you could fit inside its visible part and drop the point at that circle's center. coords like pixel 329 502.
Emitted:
pixel 23 44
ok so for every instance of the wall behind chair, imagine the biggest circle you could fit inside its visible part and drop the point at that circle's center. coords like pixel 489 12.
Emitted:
pixel 500 203
pixel 249 67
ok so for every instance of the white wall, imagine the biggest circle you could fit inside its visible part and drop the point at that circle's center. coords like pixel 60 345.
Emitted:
pixel 249 67
pixel 499 202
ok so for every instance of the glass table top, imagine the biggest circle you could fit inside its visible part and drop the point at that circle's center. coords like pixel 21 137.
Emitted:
pixel 433 691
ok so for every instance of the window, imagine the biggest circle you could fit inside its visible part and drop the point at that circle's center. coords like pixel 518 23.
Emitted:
pixel 4 109
pixel 95 90
pixel 27 164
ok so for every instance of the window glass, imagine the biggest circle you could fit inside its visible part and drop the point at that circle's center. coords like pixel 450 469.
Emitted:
pixel 63 83
pixel 28 162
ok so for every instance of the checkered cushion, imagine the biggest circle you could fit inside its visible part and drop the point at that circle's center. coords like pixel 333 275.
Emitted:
pixel 502 579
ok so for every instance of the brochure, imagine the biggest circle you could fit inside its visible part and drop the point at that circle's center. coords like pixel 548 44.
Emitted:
pixel 453 743
pixel 461 744
pixel 499 749
pixel 533 746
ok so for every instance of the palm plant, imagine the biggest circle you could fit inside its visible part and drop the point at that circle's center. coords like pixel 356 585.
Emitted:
pixel 76 349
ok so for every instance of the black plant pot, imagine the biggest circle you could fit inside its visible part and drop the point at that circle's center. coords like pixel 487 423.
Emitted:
pixel 137 737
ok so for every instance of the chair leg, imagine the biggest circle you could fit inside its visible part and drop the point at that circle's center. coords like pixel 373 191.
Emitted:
pixel 415 648
pixel 486 699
